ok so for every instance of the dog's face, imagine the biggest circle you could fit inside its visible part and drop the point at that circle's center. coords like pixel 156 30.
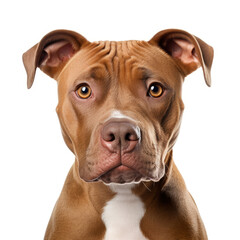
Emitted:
pixel 120 103
pixel 121 88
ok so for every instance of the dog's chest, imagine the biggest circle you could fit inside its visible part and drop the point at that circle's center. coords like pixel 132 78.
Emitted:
pixel 122 215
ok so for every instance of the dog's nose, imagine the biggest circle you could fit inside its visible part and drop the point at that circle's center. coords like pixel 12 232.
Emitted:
pixel 120 134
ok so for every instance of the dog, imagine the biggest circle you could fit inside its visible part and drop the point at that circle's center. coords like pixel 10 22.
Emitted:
pixel 120 111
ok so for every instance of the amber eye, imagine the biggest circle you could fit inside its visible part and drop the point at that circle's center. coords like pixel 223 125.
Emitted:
pixel 84 91
pixel 155 90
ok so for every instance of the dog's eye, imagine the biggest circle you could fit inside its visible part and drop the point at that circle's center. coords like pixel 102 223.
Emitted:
pixel 84 91
pixel 155 90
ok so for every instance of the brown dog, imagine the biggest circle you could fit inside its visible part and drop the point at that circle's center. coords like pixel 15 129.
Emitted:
pixel 120 110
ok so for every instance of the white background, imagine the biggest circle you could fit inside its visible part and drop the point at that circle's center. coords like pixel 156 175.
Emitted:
pixel 34 160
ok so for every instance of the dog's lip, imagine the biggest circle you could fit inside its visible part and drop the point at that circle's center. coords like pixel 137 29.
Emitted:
pixel 121 169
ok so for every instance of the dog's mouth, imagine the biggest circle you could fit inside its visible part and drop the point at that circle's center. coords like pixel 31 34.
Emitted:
pixel 121 174
pixel 120 170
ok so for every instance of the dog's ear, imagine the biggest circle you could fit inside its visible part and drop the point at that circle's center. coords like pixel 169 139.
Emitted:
pixel 52 53
pixel 188 51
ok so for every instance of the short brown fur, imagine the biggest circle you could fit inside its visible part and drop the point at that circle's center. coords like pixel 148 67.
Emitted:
pixel 118 73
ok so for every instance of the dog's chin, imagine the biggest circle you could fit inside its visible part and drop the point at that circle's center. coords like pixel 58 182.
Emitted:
pixel 121 175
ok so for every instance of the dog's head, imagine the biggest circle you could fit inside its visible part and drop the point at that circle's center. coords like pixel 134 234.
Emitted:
pixel 120 103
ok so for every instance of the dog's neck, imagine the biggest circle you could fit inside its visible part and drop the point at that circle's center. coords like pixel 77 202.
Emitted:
pixel 134 204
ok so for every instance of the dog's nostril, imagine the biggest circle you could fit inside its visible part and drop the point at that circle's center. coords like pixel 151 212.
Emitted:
pixel 108 136
pixel 111 137
pixel 131 137
pixel 128 136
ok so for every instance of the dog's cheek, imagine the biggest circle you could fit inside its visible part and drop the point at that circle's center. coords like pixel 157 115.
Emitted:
pixel 64 131
pixel 67 139
pixel 71 125
pixel 166 120
pixel 150 150
pixel 171 122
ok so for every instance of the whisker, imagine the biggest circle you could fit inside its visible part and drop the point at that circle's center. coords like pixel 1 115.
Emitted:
pixel 146 187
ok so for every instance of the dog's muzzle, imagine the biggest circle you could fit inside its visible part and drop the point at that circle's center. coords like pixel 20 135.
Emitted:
pixel 121 139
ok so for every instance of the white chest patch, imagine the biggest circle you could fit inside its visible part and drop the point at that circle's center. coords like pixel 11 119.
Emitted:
pixel 122 215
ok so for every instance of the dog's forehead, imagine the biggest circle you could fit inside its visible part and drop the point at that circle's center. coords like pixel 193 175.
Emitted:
pixel 123 60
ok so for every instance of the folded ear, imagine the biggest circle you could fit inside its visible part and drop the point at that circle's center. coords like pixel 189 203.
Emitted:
pixel 188 51
pixel 52 53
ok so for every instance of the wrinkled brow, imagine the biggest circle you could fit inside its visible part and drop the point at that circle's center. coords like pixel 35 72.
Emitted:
pixel 144 73
pixel 96 72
